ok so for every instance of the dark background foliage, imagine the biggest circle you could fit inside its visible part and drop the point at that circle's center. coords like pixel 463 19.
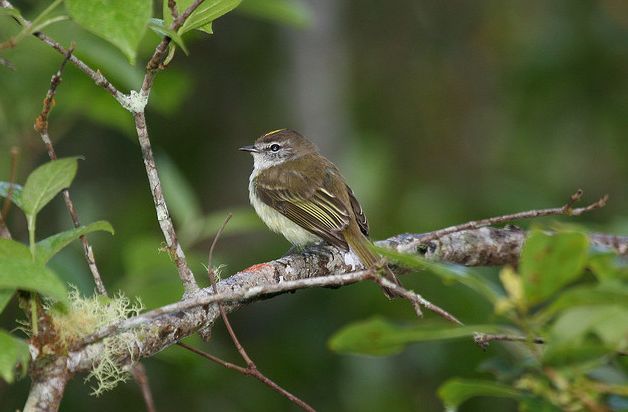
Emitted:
pixel 437 112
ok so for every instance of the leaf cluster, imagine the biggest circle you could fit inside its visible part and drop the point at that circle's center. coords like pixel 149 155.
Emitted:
pixel 571 295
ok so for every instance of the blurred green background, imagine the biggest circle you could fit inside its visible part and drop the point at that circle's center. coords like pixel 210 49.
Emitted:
pixel 437 113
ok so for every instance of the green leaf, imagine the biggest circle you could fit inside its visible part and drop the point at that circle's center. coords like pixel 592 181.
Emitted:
pixel 11 249
pixel 379 337
pixel 14 189
pixel 533 404
pixel 293 12
pixel 49 247
pixel 456 391
pixel 14 351
pixel 608 322
pixel 45 182
pixel 570 355
pixel 159 27
pixel 25 274
pixel 586 296
pixel 120 22
pixel 550 261
pixel 5 297
pixel 203 16
pixel 607 266
pixel 447 272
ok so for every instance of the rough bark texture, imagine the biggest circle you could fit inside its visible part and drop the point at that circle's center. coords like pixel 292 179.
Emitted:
pixel 48 384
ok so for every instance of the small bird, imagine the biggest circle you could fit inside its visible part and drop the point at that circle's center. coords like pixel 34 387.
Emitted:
pixel 299 193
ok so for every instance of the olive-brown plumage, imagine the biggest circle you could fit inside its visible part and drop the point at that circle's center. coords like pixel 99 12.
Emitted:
pixel 299 193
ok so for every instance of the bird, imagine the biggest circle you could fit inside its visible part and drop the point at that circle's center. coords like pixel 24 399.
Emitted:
pixel 302 195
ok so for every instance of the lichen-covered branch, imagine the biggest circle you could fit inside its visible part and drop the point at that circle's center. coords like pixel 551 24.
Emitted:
pixel 48 384
pixel 317 266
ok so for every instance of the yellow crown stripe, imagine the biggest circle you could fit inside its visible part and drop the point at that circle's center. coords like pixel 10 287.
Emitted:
pixel 275 131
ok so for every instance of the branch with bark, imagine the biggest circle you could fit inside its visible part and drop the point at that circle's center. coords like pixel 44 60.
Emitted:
pixel 318 266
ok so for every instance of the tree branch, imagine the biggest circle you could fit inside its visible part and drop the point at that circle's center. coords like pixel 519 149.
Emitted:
pixel 48 385
pixel 316 267
pixel 564 210
pixel 483 340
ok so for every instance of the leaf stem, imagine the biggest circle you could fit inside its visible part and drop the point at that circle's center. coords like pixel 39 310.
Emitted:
pixel 34 314
pixel 31 234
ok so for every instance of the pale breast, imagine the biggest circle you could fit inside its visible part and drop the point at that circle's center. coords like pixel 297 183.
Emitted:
pixel 278 223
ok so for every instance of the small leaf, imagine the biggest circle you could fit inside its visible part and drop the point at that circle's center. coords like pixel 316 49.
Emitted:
pixel 379 337
pixel 203 16
pixel 159 27
pixel 11 249
pixel 292 12
pixel 25 274
pixel 14 189
pixel 548 262
pixel 608 322
pixel 586 296
pixel 49 247
pixel 456 391
pixel 120 22
pixel 607 265
pixel 14 351
pixel 5 297
pixel 571 355
pixel 45 182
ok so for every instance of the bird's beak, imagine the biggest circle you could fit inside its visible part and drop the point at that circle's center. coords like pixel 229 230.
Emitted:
pixel 250 148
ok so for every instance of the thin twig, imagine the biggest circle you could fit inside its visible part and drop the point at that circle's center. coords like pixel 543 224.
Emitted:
pixel 415 298
pixel 172 5
pixel 140 376
pixel 162 48
pixel 251 372
pixel 163 215
pixel 557 211
pixel 251 368
pixel 223 314
pixel 41 126
pixel 483 340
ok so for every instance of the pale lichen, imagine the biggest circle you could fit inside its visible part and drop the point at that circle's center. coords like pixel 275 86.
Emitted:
pixel 84 316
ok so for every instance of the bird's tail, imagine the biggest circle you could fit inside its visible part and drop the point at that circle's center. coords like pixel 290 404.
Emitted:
pixel 362 247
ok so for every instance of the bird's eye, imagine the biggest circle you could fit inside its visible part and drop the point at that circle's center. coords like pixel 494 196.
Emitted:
pixel 275 147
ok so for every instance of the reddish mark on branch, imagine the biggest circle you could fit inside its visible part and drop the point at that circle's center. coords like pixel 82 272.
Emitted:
pixel 258 267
